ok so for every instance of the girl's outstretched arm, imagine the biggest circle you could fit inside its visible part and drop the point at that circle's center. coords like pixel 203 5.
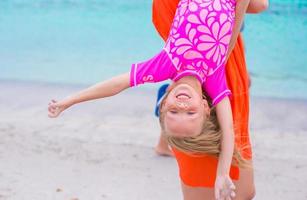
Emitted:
pixel 103 89
pixel 223 183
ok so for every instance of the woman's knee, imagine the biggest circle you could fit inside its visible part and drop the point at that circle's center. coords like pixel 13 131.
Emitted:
pixel 251 194
pixel 247 196
pixel 245 185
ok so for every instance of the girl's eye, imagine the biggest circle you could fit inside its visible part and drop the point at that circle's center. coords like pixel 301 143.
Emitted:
pixel 173 111
pixel 191 113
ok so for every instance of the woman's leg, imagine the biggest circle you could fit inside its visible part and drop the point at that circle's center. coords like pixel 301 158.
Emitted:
pixel 197 193
pixel 245 186
pixel 162 148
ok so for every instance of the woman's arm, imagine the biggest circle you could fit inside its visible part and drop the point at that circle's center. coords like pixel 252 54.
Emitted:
pixel 100 90
pixel 257 6
pixel 241 8
pixel 224 114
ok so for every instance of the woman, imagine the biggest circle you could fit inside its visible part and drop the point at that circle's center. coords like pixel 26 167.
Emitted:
pixel 238 82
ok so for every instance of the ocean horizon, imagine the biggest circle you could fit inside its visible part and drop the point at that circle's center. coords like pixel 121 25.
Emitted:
pixel 83 42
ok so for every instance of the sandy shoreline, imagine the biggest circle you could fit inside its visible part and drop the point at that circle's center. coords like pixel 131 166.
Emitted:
pixel 104 149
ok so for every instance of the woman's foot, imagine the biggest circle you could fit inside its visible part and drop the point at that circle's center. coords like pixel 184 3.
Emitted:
pixel 162 151
pixel 162 148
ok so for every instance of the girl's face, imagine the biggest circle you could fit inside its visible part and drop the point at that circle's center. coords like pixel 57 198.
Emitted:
pixel 184 111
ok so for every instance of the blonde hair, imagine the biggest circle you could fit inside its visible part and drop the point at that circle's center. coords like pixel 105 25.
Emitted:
pixel 207 142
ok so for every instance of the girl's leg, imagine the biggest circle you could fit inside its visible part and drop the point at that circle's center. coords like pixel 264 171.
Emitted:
pixel 162 147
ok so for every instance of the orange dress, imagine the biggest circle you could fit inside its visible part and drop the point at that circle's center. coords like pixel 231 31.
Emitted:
pixel 200 171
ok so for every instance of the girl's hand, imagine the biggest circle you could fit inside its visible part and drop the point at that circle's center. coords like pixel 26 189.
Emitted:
pixel 224 188
pixel 55 108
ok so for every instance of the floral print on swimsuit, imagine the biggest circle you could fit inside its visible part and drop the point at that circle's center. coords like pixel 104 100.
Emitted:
pixel 200 35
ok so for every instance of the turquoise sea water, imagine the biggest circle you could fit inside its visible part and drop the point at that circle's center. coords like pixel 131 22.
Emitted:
pixel 85 41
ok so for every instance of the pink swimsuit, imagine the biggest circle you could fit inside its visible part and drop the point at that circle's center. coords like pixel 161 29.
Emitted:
pixel 197 46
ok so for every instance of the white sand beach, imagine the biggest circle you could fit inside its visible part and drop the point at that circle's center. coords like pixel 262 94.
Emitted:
pixel 104 149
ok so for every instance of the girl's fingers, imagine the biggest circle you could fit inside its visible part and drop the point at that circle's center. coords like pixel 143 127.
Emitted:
pixel 217 193
pixel 51 109
pixel 51 116
pixel 54 106
pixel 233 194
pixel 231 185
pixel 50 103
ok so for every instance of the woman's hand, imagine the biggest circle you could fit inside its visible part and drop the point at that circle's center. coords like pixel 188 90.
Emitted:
pixel 257 6
pixel 224 188
pixel 55 108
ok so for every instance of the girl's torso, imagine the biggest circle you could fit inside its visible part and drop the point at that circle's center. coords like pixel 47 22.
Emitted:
pixel 200 35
